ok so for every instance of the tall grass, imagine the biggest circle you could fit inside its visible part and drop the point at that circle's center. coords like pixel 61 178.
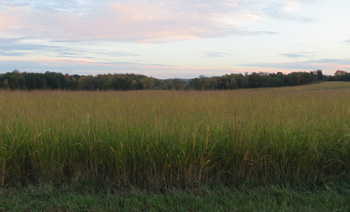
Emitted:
pixel 168 138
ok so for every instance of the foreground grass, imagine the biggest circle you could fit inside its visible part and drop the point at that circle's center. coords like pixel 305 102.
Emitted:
pixel 333 197
pixel 164 139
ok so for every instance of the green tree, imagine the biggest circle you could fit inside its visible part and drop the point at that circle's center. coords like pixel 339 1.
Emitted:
pixel 121 84
pixel 319 75
pixel 233 83
pixel 148 83
pixel 5 84
pixel 177 84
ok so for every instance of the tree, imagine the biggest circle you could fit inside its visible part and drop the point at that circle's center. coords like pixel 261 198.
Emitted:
pixel 210 83
pixel 292 79
pixel 242 81
pixel 133 85
pixel 195 84
pixel 319 75
pixel 52 80
pixel 340 73
pixel 176 84
pixel 86 83
pixel 121 84
pixel 5 84
pixel 148 83
pixel 233 83
pixel 275 82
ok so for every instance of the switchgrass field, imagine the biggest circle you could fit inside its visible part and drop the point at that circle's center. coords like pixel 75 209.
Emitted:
pixel 182 139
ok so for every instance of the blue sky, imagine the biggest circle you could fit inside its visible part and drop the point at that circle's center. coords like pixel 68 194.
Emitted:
pixel 167 39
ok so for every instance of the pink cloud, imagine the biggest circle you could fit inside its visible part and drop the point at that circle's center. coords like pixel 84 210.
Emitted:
pixel 8 20
pixel 130 20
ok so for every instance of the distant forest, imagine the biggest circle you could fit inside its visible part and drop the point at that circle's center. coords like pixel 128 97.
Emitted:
pixel 52 81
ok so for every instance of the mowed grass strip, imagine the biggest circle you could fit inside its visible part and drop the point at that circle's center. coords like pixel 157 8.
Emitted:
pixel 174 138
pixel 65 198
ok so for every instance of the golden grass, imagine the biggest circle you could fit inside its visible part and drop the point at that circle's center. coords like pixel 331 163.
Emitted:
pixel 175 138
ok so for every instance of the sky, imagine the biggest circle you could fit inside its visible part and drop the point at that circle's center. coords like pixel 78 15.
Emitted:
pixel 174 38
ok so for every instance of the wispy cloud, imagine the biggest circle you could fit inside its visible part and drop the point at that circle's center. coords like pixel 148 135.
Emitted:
pixel 129 20
pixel 69 6
pixel 328 61
pixel 23 46
pixel 86 67
pixel 213 54
pixel 328 64
pixel 291 5
pixel 13 53
pixel 282 10
pixel 303 54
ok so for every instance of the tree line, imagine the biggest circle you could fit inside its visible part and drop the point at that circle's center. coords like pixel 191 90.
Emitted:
pixel 52 81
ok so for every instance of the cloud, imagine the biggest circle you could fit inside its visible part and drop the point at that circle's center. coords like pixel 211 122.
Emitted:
pixel 13 53
pixel 17 47
pixel 69 6
pixel 85 66
pixel 286 66
pixel 76 65
pixel 141 20
pixel 328 61
pixel 291 5
pixel 323 64
pixel 213 54
pixel 13 47
pixel 347 41
pixel 259 33
pixel 78 35
pixel 303 54
pixel 284 10
pixel 24 47
pixel 128 20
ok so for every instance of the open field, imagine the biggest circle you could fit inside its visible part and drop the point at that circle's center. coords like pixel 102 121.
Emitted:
pixel 316 86
pixel 183 139
pixel 283 149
